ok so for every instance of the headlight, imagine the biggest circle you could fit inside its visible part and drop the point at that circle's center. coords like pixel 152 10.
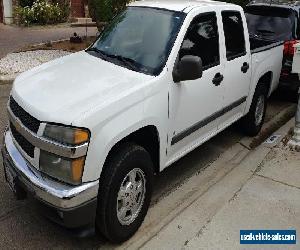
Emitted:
pixel 63 169
pixel 66 135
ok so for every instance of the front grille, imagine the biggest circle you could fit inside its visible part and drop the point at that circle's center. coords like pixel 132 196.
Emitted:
pixel 23 143
pixel 30 122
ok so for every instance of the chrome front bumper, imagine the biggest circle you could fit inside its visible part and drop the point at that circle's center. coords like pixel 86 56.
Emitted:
pixel 43 188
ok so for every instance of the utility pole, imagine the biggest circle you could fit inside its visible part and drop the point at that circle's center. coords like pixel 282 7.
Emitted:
pixel 295 141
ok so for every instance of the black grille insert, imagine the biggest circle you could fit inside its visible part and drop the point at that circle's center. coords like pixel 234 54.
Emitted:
pixel 23 143
pixel 30 122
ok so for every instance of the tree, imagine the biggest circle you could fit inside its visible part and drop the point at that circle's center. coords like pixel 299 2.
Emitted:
pixel 104 10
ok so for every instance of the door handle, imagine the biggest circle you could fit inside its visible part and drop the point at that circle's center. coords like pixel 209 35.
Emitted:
pixel 218 79
pixel 245 67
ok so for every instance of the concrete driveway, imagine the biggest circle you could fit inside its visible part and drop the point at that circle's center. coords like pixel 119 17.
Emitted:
pixel 22 227
pixel 13 38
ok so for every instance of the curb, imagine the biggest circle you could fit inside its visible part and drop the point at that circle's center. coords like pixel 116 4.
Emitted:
pixel 7 79
pixel 270 127
pixel 33 46
pixel 89 24
pixel 6 82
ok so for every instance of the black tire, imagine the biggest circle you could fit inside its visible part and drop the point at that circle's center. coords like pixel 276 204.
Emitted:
pixel 122 161
pixel 249 124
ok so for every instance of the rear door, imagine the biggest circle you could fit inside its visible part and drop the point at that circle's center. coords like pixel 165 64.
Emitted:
pixel 237 72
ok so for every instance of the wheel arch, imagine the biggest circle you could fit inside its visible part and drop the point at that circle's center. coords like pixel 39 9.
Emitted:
pixel 148 138
pixel 266 79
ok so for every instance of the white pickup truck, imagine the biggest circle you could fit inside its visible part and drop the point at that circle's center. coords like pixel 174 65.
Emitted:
pixel 87 132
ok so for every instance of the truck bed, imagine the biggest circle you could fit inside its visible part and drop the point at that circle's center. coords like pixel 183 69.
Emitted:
pixel 266 57
pixel 259 44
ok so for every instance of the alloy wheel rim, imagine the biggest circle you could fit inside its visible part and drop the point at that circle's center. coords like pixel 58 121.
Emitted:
pixel 131 196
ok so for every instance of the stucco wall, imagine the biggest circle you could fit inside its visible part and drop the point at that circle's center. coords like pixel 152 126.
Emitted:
pixel 7 11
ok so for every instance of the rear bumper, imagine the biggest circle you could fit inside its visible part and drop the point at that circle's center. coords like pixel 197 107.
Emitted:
pixel 70 206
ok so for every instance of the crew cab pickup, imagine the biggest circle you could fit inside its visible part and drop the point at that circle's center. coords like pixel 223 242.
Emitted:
pixel 88 132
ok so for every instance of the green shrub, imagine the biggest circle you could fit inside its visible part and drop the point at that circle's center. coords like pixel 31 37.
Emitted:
pixel 64 6
pixel 24 15
pixel 25 3
pixel 41 12
pixel 45 13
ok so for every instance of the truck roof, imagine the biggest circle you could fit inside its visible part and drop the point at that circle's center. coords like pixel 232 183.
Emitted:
pixel 177 5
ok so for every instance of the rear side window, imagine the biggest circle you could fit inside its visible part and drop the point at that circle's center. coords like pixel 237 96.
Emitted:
pixel 202 40
pixel 234 34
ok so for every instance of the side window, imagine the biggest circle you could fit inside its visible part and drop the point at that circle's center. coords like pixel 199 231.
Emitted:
pixel 202 40
pixel 234 34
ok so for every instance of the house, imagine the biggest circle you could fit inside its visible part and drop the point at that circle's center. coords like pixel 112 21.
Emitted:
pixel 78 9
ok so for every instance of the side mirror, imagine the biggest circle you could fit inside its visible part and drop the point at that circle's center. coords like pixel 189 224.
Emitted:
pixel 188 68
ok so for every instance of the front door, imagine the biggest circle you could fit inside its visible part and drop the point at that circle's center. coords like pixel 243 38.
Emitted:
pixel 195 105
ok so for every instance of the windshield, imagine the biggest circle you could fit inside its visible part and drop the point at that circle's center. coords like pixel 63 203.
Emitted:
pixel 274 23
pixel 140 39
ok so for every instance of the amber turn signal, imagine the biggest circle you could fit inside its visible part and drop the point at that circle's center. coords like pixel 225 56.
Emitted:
pixel 77 169
pixel 80 136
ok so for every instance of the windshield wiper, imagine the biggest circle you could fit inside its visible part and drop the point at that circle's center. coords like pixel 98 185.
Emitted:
pixel 98 51
pixel 128 62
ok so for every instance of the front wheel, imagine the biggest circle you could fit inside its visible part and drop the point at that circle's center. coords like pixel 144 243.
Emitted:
pixel 253 121
pixel 125 192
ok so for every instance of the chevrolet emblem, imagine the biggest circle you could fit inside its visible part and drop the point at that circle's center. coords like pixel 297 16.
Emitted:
pixel 17 126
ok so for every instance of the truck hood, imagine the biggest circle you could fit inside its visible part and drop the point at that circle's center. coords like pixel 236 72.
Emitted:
pixel 64 89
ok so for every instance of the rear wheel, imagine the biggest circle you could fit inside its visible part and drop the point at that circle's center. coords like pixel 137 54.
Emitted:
pixel 253 121
pixel 125 192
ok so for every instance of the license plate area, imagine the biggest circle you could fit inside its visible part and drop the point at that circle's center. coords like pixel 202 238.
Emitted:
pixel 12 181
pixel 10 178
